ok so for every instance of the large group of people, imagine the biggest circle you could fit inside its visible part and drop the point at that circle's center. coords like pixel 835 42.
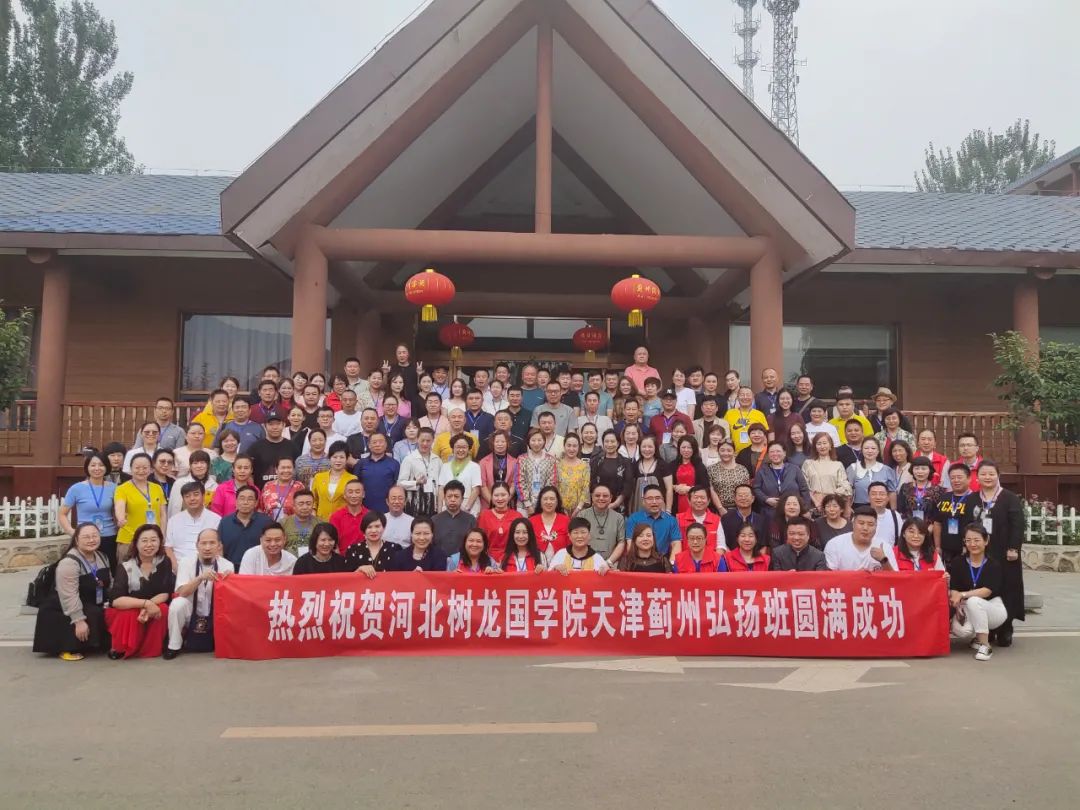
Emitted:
pixel 407 469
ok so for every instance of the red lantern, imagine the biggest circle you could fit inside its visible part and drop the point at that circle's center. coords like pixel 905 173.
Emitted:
pixel 429 290
pixel 456 336
pixel 590 339
pixel 637 296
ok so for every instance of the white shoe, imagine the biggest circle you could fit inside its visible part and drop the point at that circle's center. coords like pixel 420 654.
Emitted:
pixel 975 644
pixel 984 653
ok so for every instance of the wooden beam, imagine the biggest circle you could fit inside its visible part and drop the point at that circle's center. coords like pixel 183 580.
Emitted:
pixel 442 215
pixel 479 247
pixel 545 49
pixel 689 281
pixel 537 304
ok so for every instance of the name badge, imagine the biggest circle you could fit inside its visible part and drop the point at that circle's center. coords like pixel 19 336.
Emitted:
pixel 744 437
pixel 954 526
pixel 150 516
pixel 100 523
pixel 917 513
pixel 476 435
pixel 988 524
pixel 666 439
pixel 535 487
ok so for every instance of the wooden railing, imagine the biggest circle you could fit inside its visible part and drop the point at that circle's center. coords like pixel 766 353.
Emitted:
pixel 95 424
pixel 995 441
pixel 17 428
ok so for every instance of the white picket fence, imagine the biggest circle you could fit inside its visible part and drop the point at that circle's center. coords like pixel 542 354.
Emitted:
pixel 26 517
pixel 1054 527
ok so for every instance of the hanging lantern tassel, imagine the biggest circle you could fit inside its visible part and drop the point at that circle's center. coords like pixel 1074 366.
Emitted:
pixel 635 295
pixel 590 339
pixel 429 290
pixel 456 336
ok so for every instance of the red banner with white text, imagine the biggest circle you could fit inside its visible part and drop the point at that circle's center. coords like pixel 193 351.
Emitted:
pixel 782 614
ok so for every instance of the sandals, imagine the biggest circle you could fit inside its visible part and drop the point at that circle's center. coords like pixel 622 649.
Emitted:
pixel 70 656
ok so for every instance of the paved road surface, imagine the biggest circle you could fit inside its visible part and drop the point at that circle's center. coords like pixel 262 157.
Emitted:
pixel 950 732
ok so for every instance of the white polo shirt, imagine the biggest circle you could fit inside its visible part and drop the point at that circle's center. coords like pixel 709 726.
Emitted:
pixel 841 554
pixel 183 531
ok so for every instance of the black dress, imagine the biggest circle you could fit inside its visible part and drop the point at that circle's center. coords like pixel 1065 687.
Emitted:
pixel 307 564
pixel 434 560
pixel 359 554
pixel 1007 532
pixel 162 580
pixel 54 632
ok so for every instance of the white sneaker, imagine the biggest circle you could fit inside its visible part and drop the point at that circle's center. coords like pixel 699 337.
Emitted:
pixel 975 644
pixel 984 653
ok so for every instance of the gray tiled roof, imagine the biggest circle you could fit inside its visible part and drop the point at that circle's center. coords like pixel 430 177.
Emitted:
pixel 121 204
pixel 187 205
pixel 1003 222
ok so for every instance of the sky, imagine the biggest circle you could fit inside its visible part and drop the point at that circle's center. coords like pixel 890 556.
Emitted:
pixel 217 82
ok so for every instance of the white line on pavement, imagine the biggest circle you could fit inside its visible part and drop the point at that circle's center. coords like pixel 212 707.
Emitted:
pixel 406 730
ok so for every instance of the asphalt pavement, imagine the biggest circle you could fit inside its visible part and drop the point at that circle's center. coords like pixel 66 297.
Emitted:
pixel 517 732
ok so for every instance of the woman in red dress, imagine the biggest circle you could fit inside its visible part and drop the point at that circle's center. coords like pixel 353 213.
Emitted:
pixel 689 473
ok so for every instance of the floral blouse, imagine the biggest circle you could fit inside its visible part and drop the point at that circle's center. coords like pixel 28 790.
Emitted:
pixel 533 475
pixel 573 483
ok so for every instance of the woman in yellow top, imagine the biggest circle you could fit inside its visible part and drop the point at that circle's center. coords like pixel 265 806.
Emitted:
pixel 329 485
pixel 138 502
pixel 741 417
pixel 572 476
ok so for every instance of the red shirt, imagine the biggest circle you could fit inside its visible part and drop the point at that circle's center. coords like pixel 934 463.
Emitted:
pixel 711 524
pixel 661 424
pixel 938 461
pixel 348 527
pixel 555 540
pixel 684 562
pixel 497 529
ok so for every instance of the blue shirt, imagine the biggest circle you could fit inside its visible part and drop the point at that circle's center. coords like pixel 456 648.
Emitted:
pixel 377 478
pixel 532 398
pixel 236 538
pixel 93 504
pixel 665 528
pixel 249 433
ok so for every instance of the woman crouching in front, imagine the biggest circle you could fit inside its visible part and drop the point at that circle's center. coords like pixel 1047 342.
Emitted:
pixel 976 583
pixel 137 616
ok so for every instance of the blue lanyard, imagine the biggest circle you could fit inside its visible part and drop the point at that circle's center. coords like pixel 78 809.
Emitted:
pixel 952 504
pixel 149 500
pixel 97 496
pixel 472 419
pixel 974 576
pixel 779 475
pixel 387 426
pixel 920 493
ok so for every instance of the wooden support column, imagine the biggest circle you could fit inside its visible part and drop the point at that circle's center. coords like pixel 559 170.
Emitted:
pixel 767 315
pixel 544 78
pixel 52 357
pixel 1026 322
pixel 368 337
pixel 701 338
pixel 309 306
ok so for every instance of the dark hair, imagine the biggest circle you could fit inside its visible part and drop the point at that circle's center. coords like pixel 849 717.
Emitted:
pixel 927 550
pixel 421 520
pixel 302 492
pixel 696 527
pixel 484 560
pixel 132 550
pixel 832 497
pixel 192 486
pixel 138 456
pixel 453 485
pixel 863 511
pixel 759 541
pixel 649 488
pixel 371 517
pixel 978 528
pixel 248 488
pixel 163 451
pixel 104 459
pixel 320 529
pixel 959 465
pixel 780 521
pixel 540 497
pixel 461 437
pixel 271 526
pixel 798 521
pixel 531 547
pixel 337 447
pixel 225 433
pixel 579 523
pixel 86 524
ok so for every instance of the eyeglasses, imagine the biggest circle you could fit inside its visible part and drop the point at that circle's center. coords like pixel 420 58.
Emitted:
pixel 150 433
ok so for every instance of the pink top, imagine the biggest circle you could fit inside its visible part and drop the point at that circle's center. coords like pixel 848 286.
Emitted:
pixel 639 375
pixel 224 500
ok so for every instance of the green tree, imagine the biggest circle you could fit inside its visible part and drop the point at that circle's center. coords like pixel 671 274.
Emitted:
pixel 59 93
pixel 1044 384
pixel 985 162
pixel 15 331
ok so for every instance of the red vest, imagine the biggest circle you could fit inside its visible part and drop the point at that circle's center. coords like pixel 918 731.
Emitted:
pixel 736 564
pixel 907 564
pixel 684 562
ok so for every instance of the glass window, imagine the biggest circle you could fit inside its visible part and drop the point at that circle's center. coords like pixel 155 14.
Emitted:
pixel 1060 334
pixel 241 346
pixel 863 357
pixel 531 335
